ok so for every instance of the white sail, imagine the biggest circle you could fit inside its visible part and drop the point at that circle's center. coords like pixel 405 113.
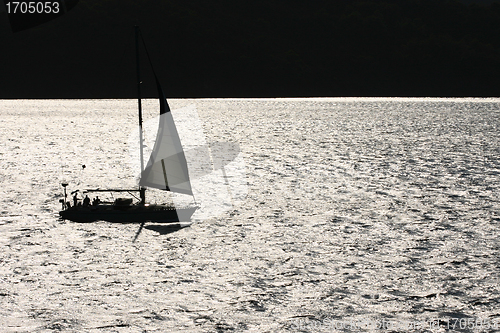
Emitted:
pixel 167 167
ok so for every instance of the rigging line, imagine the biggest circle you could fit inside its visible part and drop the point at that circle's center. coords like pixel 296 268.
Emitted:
pixel 147 54
pixel 134 196
pixel 194 199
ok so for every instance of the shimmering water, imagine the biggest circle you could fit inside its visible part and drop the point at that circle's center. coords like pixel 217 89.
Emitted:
pixel 354 210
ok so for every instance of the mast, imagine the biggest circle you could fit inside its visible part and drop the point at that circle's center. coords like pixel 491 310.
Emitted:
pixel 139 104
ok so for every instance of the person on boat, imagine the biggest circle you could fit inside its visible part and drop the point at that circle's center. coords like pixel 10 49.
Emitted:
pixel 96 201
pixel 86 201
pixel 75 199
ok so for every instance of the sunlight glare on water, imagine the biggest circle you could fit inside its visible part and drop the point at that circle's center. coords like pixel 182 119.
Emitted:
pixel 354 209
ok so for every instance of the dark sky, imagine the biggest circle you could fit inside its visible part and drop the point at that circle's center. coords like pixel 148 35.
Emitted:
pixel 262 48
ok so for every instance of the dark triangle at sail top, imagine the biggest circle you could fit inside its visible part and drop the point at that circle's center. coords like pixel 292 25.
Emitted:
pixel 164 107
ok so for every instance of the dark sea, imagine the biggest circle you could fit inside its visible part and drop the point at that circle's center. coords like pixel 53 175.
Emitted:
pixel 317 215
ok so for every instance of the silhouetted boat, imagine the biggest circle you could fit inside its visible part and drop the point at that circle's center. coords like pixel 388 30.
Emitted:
pixel 166 170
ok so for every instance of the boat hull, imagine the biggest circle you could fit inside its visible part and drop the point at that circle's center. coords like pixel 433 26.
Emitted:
pixel 128 214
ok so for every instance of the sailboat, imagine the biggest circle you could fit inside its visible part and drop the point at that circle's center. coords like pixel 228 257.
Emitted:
pixel 166 170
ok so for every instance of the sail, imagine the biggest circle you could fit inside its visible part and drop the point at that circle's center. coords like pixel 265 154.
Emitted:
pixel 167 167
